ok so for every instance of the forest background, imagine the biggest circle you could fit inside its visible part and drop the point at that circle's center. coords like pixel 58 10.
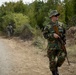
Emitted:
pixel 30 19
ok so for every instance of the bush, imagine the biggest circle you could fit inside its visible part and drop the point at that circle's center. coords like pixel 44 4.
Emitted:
pixel 27 32
pixel 18 18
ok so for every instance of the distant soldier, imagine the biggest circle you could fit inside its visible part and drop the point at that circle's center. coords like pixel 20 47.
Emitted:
pixel 55 53
pixel 10 30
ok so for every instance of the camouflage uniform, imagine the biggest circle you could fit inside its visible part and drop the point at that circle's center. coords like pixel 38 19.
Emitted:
pixel 55 54
pixel 10 30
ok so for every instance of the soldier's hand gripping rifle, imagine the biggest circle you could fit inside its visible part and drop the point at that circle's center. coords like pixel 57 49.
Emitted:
pixel 61 41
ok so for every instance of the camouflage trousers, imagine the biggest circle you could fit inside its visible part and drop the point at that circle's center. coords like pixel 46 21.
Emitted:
pixel 56 58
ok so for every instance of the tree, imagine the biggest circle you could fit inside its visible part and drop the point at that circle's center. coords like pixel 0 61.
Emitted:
pixel 19 7
pixel 66 11
pixel 74 6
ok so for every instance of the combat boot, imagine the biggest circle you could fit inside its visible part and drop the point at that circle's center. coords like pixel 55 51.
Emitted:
pixel 57 72
pixel 54 72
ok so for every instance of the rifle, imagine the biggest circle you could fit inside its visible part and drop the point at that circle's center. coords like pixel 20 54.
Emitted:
pixel 61 42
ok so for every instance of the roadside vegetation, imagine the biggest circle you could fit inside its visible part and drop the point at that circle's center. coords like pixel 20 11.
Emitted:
pixel 29 19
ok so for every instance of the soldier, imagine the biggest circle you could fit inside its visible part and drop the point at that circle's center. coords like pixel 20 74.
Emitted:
pixel 10 30
pixel 55 53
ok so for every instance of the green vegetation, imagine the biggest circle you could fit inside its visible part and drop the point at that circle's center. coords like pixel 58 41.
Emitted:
pixel 36 14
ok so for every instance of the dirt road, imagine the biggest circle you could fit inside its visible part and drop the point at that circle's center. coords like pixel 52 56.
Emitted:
pixel 21 58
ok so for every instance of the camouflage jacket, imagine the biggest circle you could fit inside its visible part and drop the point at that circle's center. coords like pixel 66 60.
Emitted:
pixel 48 34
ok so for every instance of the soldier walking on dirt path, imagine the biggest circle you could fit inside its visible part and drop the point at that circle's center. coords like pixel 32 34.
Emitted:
pixel 55 53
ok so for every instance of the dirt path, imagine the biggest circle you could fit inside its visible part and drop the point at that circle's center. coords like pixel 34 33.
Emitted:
pixel 5 65
pixel 21 58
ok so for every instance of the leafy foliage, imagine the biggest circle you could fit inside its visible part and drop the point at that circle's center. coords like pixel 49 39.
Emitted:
pixel 35 14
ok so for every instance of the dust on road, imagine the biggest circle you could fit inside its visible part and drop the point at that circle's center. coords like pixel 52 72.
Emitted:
pixel 21 58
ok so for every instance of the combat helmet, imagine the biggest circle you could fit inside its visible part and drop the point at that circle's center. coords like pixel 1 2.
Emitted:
pixel 54 13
